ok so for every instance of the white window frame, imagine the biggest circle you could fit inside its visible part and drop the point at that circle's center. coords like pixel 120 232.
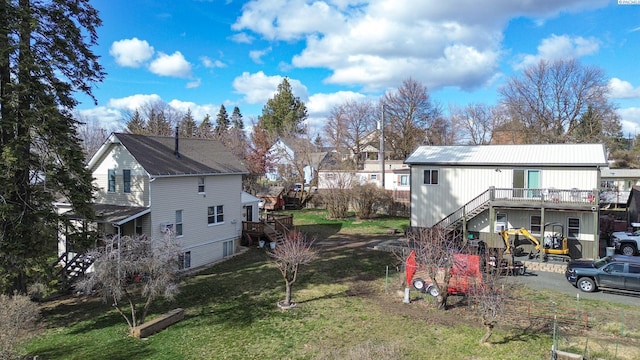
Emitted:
pixel 201 184
pixel 179 223
pixel 216 213
pixel 184 260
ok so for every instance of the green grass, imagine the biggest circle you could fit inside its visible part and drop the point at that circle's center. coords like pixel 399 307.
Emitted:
pixel 347 309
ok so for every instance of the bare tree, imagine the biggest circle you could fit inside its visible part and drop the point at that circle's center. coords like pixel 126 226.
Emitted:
pixel 367 198
pixel 294 251
pixel 551 97
pixel 489 296
pixel 133 271
pixel 434 251
pixel 411 119
pixel 350 126
pixel 154 118
pixel 336 196
pixel 91 133
pixel 478 121
pixel 19 318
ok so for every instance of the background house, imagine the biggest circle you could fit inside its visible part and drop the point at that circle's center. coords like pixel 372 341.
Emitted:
pixel 483 189
pixel 293 160
pixel 153 185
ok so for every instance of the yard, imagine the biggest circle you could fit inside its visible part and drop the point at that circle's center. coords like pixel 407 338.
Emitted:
pixel 349 307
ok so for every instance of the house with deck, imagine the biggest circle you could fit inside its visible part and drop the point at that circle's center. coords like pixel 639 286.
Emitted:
pixel 153 185
pixel 481 190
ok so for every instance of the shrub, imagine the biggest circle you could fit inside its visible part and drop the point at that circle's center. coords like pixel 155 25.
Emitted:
pixel 18 321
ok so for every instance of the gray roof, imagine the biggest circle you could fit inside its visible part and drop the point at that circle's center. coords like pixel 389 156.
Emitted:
pixel 515 155
pixel 619 173
pixel 156 154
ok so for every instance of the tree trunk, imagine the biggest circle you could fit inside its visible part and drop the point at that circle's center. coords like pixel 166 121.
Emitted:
pixel 287 295
pixel 487 334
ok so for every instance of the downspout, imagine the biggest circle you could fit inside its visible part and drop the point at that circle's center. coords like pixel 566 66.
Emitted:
pixel 118 227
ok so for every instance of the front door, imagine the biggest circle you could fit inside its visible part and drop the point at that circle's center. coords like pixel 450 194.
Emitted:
pixel 533 183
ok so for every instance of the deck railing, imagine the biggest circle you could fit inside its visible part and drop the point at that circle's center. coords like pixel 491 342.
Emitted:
pixel 521 196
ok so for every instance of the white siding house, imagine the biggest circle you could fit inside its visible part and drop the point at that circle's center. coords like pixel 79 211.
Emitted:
pixel 482 189
pixel 191 187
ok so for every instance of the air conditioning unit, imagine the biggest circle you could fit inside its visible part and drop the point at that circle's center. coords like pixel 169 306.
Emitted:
pixel 166 227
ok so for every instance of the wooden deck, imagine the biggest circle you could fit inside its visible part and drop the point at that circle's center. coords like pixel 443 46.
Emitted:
pixel 273 229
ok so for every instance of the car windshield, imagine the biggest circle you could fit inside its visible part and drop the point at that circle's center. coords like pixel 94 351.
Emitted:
pixel 602 262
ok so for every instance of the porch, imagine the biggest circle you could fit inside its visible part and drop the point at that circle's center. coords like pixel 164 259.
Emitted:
pixel 273 228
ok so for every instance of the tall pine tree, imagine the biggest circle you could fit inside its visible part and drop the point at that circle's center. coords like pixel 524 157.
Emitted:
pixel 284 113
pixel 45 57
pixel 222 123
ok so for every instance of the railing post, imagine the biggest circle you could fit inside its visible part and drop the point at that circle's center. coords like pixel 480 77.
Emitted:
pixel 492 193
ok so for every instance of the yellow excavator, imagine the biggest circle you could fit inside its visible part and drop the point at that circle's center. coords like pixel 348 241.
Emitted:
pixel 554 246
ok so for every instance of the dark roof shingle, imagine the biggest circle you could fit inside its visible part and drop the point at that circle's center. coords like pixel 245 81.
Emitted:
pixel 156 154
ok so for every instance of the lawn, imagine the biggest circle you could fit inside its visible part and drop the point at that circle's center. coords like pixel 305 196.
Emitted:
pixel 349 307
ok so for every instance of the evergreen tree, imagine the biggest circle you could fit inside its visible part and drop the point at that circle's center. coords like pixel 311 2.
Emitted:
pixel 204 129
pixel 136 124
pixel 284 113
pixel 222 123
pixel 158 124
pixel 236 119
pixel 45 58
pixel 188 127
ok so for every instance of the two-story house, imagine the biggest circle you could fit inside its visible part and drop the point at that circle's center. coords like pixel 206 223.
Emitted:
pixel 484 189
pixel 293 160
pixel 190 187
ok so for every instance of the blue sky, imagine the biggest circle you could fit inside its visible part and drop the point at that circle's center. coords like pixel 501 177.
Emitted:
pixel 200 54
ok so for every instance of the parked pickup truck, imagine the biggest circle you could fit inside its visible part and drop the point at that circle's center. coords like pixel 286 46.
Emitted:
pixel 627 243
pixel 618 272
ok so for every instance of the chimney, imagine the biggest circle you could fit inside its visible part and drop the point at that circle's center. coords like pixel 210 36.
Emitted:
pixel 176 152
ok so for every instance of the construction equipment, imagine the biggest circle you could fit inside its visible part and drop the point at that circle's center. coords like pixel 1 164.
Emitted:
pixel 554 246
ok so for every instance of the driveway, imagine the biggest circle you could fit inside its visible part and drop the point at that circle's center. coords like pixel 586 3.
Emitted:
pixel 542 280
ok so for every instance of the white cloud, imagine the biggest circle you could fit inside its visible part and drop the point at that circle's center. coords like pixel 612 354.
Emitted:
pixel 174 65
pixel 106 118
pixel 131 52
pixel 242 38
pixel 258 87
pixel 620 89
pixel 378 43
pixel 255 55
pixel 133 102
pixel 630 118
pixel 194 84
pixel 209 63
pixel 559 47
pixel 198 111
pixel 321 104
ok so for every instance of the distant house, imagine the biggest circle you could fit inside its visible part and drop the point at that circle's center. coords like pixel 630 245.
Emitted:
pixel 483 189
pixel 396 177
pixel 294 160
pixel 616 185
pixel 153 185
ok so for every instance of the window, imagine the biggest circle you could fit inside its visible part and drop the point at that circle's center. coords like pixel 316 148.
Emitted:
pixel 227 248
pixel 404 180
pixel 535 225
pixel 178 222
pixel 111 178
pixel 330 176
pixel 573 227
pixel 201 184
pixel 184 260
pixel 374 176
pixel 634 269
pixel 431 177
pixel 501 222
pixel 215 214
pixel 126 178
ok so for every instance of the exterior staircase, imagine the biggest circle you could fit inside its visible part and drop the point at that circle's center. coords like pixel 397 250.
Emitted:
pixel 71 266
pixel 466 212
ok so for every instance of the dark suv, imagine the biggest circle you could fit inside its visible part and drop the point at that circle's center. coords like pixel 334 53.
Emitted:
pixel 614 272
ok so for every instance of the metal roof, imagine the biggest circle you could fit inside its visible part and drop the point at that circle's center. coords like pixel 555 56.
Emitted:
pixel 515 155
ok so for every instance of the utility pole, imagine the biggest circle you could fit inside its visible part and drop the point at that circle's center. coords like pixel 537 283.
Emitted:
pixel 381 153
